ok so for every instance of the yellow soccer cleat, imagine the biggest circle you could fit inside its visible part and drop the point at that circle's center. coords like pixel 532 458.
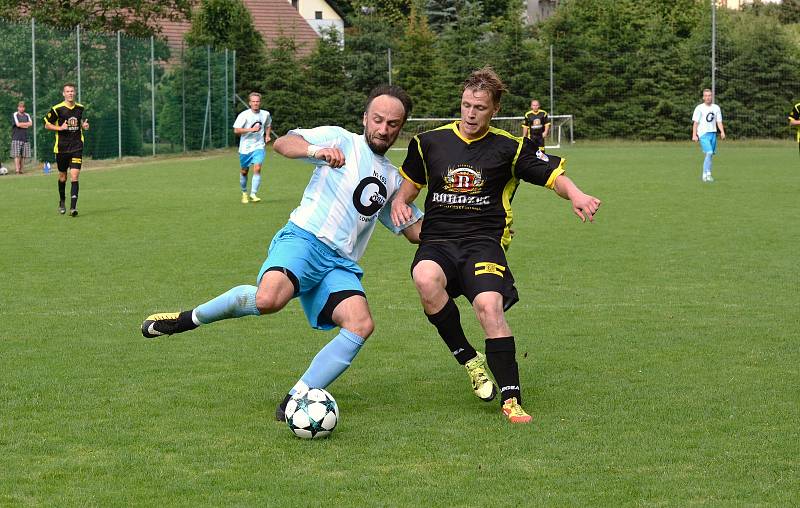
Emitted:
pixel 254 198
pixel 514 412
pixel 244 198
pixel 483 387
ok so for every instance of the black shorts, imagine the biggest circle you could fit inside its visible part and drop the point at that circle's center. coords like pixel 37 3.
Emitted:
pixel 471 266
pixel 69 160
pixel 538 140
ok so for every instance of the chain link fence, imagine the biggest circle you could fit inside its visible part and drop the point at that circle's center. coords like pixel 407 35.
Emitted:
pixel 141 96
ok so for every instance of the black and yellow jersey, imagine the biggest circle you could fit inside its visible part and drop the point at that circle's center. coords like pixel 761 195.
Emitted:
pixel 70 140
pixel 535 122
pixel 471 183
pixel 794 114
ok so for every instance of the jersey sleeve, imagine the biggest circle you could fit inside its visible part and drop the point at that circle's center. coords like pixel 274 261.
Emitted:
pixel 268 121
pixel 386 218
pixel 327 136
pixel 537 167
pixel 545 118
pixel 719 114
pixel 239 122
pixel 51 117
pixel 794 114
pixel 696 115
pixel 413 168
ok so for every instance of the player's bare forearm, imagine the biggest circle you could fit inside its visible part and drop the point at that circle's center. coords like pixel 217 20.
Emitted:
pixel 721 130
pixel 694 131
pixel 583 205
pixel 296 147
pixel 401 212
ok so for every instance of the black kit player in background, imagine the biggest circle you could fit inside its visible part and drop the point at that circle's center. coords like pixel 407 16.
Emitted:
pixel 67 119
pixel 536 125
pixel 472 171
pixel 794 121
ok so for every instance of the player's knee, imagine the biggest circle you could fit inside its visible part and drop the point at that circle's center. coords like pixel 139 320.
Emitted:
pixel 269 302
pixel 489 309
pixel 363 327
pixel 427 280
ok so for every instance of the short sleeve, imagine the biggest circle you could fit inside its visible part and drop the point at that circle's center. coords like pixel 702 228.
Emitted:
pixel 386 218
pixel 268 121
pixel 546 118
pixel 719 113
pixel 239 122
pixel 51 117
pixel 327 136
pixel 537 167
pixel 413 168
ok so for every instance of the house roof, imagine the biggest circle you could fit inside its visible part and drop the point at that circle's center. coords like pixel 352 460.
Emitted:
pixel 272 18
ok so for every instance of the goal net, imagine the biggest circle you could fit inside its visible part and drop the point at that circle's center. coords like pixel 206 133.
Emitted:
pixel 561 130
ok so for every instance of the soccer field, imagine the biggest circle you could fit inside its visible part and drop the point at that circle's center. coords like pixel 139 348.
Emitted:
pixel 658 347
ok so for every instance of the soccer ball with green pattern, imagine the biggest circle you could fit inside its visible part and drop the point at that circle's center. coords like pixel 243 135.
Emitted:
pixel 312 414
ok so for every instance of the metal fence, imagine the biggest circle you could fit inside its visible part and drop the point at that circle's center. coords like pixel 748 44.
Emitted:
pixel 141 96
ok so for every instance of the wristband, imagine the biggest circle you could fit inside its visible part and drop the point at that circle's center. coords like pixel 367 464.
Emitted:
pixel 312 150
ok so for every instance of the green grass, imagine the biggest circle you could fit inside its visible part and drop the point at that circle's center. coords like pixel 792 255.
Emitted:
pixel 658 347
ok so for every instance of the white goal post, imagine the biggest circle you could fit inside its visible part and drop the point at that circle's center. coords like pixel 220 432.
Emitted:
pixel 561 129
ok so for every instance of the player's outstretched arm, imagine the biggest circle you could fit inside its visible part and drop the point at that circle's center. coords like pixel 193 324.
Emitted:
pixel 401 212
pixel 296 147
pixel 583 205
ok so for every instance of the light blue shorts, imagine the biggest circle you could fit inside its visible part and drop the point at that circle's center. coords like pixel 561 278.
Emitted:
pixel 708 142
pixel 248 159
pixel 320 271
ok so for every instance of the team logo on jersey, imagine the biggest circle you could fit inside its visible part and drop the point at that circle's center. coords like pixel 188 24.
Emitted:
pixel 463 179
pixel 72 123
pixel 710 116
pixel 369 196
pixel 537 122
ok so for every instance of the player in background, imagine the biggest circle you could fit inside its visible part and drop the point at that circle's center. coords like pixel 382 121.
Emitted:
pixel 254 125
pixel 706 121
pixel 536 125
pixel 794 121
pixel 20 146
pixel 315 256
pixel 472 171
pixel 68 120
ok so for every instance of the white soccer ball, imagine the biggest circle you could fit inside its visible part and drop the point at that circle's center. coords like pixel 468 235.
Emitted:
pixel 3 170
pixel 312 414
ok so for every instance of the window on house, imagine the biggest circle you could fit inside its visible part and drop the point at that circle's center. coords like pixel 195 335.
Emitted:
pixel 317 14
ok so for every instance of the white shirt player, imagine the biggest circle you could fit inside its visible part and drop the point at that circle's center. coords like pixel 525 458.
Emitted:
pixel 706 118
pixel 251 141
pixel 340 205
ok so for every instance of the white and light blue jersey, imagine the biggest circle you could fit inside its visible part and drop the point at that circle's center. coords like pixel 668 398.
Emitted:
pixel 340 205
pixel 706 118
pixel 247 119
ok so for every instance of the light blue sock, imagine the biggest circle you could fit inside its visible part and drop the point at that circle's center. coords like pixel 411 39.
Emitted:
pixel 237 302
pixel 243 182
pixel 256 183
pixel 707 164
pixel 332 360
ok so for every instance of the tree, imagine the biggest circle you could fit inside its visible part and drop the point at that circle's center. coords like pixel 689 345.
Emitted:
pixel 228 24
pixel 420 69
pixel 139 18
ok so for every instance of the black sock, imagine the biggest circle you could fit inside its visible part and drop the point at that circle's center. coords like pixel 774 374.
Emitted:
pixel 73 202
pixel 185 322
pixel 286 401
pixel 448 323
pixel 501 357
pixel 62 191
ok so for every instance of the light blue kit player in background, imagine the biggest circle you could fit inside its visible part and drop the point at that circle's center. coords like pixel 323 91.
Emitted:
pixel 315 256
pixel 706 121
pixel 254 125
